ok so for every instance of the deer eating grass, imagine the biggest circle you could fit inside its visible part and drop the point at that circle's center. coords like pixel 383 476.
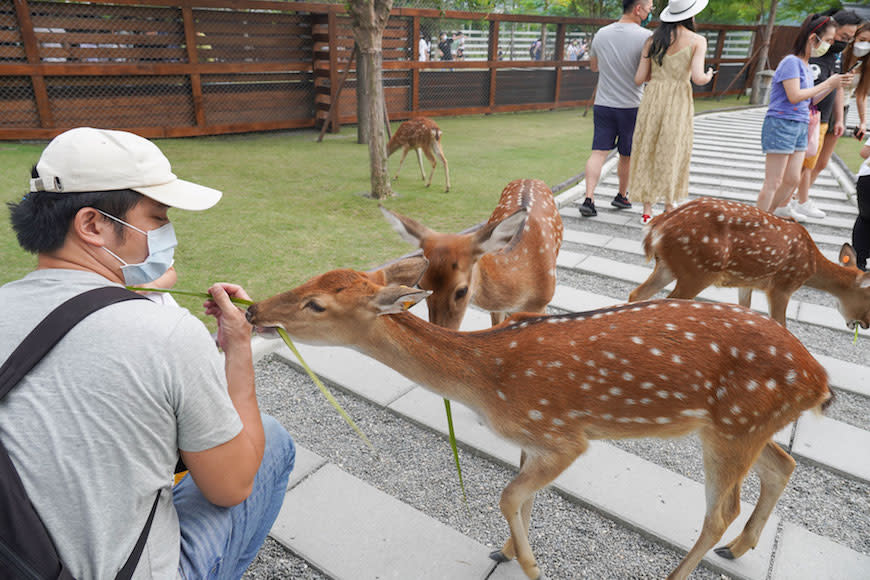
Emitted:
pixel 507 265
pixel 715 242
pixel 424 136
pixel 550 384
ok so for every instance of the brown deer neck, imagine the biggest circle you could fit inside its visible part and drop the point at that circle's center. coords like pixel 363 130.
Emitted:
pixel 448 362
pixel 830 276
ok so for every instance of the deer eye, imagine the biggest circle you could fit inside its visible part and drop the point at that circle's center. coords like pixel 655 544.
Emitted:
pixel 314 306
pixel 460 294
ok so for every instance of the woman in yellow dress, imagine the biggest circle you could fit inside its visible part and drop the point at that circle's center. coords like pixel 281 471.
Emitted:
pixel 663 135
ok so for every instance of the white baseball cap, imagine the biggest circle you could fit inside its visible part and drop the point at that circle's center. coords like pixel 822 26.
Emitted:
pixel 678 10
pixel 87 159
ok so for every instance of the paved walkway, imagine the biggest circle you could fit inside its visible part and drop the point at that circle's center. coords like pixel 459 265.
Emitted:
pixel 348 529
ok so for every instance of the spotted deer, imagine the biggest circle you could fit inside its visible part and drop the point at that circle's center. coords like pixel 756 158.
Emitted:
pixel 507 265
pixel 550 384
pixel 724 243
pixel 424 136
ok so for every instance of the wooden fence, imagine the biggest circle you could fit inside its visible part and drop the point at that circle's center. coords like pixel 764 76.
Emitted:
pixel 169 68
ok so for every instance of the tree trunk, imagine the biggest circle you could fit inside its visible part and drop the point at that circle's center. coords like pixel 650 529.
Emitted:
pixel 369 18
pixel 763 53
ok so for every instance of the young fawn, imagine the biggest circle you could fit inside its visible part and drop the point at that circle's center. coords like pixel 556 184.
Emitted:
pixel 508 265
pixel 550 384
pixel 424 136
pixel 724 243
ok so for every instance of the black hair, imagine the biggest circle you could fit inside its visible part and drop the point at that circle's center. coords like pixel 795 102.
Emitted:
pixel 812 24
pixel 42 219
pixel 627 5
pixel 847 17
pixel 663 37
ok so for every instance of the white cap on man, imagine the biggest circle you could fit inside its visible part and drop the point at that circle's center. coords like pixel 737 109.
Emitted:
pixel 87 159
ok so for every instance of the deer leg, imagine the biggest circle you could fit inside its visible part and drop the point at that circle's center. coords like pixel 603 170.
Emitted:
pixel 440 153
pixel 508 552
pixel 689 287
pixel 744 296
pixel 661 276
pixel 434 163
pixel 497 318
pixel 725 465
pixel 537 471
pixel 420 163
pixel 777 304
pixel 402 160
pixel 774 467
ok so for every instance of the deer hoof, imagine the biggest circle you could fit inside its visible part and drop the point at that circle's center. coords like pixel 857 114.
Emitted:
pixel 498 556
pixel 724 552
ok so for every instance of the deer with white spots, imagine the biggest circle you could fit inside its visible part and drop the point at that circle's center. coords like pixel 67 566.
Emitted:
pixel 423 136
pixel 724 243
pixel 507 265
pixel 549 384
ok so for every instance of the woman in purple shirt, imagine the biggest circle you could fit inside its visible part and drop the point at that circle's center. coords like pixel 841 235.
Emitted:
pixel 784 133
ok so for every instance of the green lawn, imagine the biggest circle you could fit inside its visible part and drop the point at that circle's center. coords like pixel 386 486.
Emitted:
pixel 293 207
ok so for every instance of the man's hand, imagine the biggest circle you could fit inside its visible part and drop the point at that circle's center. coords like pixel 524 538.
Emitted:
pixel 233 328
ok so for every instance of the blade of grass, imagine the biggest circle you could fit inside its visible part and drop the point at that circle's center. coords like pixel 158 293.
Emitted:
pixel 292 347
pixel 455 450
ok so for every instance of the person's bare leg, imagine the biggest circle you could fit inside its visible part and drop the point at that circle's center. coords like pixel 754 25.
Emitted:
pixel 774 167
pixel 622 170
pixel 790 178
pixel 593 171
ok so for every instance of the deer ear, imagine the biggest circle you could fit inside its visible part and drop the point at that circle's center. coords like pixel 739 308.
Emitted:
pixel 394 299
pixel 494 237
pixel 410 230
pixel 847 256
pixel 405 272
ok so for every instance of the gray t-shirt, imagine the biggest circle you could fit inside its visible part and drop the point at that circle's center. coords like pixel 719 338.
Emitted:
pixel 94 428
pixel 618 47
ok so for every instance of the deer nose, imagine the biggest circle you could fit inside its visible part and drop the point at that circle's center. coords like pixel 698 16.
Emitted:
pixel 249 313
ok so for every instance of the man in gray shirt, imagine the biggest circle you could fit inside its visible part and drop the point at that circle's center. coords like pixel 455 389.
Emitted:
pixel 615 54
pixel 95 429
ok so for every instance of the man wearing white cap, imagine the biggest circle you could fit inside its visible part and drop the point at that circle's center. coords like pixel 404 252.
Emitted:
pixel 96 428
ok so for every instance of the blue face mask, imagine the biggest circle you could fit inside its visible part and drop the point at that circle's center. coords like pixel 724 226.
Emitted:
pixel 647 20
pixel 161 248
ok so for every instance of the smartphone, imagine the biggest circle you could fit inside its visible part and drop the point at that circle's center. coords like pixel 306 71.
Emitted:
pixel 854 66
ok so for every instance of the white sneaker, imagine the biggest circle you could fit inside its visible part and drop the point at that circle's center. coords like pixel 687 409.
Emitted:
pixel 788 212
pixel 808 209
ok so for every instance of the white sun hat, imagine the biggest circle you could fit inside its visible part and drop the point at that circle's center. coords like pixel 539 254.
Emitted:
pixel 678 10
pixel 87 159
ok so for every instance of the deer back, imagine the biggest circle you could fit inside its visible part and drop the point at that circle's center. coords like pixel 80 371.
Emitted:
pixel 732 244
pixel 416 133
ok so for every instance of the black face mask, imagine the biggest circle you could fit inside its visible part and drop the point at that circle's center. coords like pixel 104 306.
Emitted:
pixel 838 46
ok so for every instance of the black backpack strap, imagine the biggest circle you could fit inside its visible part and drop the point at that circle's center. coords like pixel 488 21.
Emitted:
pixel 53 327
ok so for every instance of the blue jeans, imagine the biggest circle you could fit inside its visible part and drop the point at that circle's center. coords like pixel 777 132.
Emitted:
pixel 219 542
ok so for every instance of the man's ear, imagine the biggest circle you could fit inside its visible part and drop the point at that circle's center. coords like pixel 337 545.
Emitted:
pixel 89 226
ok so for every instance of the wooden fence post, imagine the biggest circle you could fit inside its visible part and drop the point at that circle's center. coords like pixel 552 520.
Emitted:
pixel 193 59
pixel 493 57
pixel 31 48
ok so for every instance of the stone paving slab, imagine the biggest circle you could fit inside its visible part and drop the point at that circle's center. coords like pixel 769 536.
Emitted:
pixel 350 530
pixel 803 555
pixel 833 444
pixel 748 193
pixel 846 375
pixel 307 462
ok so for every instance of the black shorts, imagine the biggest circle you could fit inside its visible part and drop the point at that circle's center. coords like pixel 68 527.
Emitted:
pixel 613 128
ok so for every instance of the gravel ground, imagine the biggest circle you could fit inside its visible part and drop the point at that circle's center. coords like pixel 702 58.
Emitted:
pixel 415 466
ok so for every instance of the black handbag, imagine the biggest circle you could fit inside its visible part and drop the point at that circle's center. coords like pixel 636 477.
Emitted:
pixel 26 549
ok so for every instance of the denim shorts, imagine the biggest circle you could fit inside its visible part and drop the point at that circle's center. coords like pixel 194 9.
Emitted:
pixel 613 128
pixel 783 135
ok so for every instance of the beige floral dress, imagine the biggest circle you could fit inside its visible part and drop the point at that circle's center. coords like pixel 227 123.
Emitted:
pixel 662 144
